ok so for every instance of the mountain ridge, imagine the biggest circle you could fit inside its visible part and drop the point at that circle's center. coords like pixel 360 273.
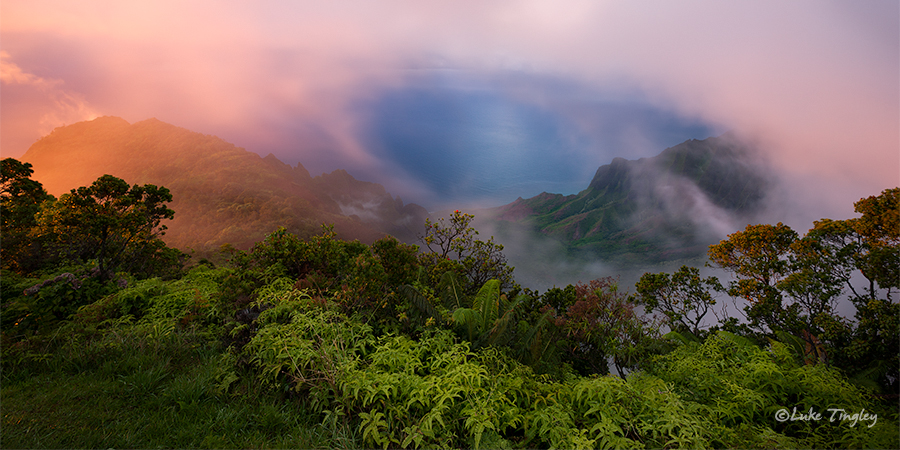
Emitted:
pixel 667 207
pixel 221 193
pixel 656 209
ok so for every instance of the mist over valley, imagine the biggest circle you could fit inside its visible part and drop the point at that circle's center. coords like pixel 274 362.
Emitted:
pixel 650 211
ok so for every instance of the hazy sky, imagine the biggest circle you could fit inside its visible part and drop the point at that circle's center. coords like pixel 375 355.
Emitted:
pixel 446 102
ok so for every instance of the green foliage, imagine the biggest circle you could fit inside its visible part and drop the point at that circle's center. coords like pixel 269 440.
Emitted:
pixel 684 298
pixel 111 222
pixel 20 199
pixel 398 259
pixel 453 247
pixel 433 313
pixel 185 301
pixel 491 318
pixel 320 342
pixel 306 349
pixel 451 291
pixel 397 392
pixel 39 306
pixel 358 278
pixel 735 383
pixel 311 364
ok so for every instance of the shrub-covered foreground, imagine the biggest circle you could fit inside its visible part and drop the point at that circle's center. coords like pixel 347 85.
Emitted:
pixel 107 341
pixel 438 392
pixel 161 364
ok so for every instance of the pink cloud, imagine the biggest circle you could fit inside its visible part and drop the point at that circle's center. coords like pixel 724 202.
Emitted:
pixel 816 82
pixel 33 106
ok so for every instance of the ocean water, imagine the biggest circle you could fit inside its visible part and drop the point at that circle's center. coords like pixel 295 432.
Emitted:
pixel 485 144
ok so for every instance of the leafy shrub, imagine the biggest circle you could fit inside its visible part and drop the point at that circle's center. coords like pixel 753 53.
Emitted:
pixel 131 302
pixel 736 384
pixel 305 349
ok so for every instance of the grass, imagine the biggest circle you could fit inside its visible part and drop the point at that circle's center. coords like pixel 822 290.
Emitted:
pixel 126 391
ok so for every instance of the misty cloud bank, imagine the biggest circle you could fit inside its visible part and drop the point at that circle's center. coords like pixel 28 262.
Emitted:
pixel 650 214
pixel 485 88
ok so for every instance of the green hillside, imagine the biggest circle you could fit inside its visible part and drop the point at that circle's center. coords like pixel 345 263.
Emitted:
pixel 652 209
pixel 323 343
pixel 108 340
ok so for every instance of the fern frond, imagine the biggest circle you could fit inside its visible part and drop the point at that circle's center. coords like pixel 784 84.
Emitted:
pixel 470 319
pixel 740 341
pixel 451 292
pixel 868 378
pixel 532 341
pixel 487 301
pixel 794 343
pixel 420 302
pixel 501 327
pixel 684 338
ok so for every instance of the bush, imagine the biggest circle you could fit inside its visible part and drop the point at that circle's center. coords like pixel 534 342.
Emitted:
pixel 737 384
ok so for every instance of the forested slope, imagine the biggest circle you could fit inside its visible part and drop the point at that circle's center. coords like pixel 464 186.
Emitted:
pixel 222 193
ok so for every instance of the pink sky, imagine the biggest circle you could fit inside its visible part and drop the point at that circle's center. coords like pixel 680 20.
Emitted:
pixel 817 82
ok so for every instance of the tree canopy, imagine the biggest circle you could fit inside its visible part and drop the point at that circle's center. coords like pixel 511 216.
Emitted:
pixel 793 285
pixel 454 243
pixel 20 199
pixel 109 221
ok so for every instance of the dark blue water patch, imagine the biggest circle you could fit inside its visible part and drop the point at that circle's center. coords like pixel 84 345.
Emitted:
pixel 475 140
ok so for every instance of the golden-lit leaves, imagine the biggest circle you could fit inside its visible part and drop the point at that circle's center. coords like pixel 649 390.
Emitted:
pixel 758 253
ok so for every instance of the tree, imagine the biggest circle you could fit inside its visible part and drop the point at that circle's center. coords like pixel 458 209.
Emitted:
pixel 758 257
pixel 20 199
pixel 879 231
pixel 453 246
pixel 793 285
pixel 874 250
pixel 111 222
pixel 604 325
pixel 398 259
pixel 684 298
pixel 823 265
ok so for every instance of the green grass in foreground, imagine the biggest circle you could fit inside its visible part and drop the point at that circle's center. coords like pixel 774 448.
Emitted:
pixel 122 392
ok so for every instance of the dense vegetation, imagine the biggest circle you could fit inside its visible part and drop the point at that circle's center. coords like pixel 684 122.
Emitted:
pixel 110 339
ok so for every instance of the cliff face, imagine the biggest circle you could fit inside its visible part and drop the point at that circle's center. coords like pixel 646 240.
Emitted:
pixel 668 207
pixel 221 193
